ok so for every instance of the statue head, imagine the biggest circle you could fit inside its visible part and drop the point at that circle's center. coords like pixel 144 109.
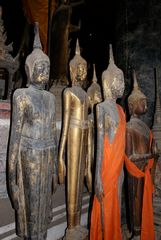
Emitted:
pixel 137 101
pixel 78 67
pixel 37 63
pixel 112 79
pixel 94 91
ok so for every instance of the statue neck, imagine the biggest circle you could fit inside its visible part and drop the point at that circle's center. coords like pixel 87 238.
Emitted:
pixel 38 86
pixel 110 100
pixel 76 84
pixel 134 115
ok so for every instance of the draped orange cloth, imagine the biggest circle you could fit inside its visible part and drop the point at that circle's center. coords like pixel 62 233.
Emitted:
pixel 37 11
pixel 111 168
pixel 147 226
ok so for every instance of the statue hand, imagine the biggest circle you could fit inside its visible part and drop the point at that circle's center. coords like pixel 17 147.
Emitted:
pixel 89 180
pixel 99 189
pixel 155 150
pixel 61 171
pixel 54 182
pixel 15 197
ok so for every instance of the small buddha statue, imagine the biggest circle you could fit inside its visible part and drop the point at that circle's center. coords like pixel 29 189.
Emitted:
pixel 32 160
pixel 111 123
pixel 74 135
pixel 95 96
pixel 139 150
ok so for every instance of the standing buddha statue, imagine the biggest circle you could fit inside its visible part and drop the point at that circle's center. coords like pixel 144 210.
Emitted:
pixel 139 164
pixel 32 160
pixel 111 123
pixel 75 134
pixel 95 96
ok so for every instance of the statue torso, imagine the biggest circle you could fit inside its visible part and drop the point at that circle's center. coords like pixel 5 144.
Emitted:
pixel 110 118
pixel 38 110
pixel 140 136
pixel 79 103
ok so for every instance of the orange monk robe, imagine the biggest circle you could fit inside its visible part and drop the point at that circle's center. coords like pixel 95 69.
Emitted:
pixel 111 169
pixel 147 225
pixel 37 11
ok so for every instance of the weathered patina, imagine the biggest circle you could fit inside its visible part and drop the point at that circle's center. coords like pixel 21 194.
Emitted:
pixel 32 162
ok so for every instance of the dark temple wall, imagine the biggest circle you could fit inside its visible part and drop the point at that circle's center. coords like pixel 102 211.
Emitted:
pixel 138 46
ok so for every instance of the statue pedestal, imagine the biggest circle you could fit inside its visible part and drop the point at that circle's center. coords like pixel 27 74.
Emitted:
pixel 79 233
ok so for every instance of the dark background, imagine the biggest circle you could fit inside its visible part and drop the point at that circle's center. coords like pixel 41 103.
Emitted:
pixel 98 18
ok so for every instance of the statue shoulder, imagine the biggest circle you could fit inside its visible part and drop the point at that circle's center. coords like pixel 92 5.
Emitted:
pixel 67 90
pixel 130 125
pixel 50 95
pixel 67 93
pixel 19 93
pixel 100 105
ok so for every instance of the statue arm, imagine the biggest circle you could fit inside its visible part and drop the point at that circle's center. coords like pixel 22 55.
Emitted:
pixel 99 155
pixel 128 148
pixel 55 159
pixel 154 148
pixel 89 157
pixel 63 139
pixel 14 144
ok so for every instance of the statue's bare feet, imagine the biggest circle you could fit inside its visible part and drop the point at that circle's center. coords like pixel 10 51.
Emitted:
pixel 79 233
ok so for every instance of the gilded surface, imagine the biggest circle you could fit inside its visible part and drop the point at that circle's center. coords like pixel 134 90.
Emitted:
pixel 74 134
pixel 32 165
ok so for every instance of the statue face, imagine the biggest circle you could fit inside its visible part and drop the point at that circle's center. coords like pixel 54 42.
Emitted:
pixel 138 107
pixel 141 107
pixel 97 97
pixel 81 72
pixel 41 72
pixel 117 86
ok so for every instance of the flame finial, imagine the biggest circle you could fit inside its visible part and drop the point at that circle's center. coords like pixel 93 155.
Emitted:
pixel 37 43
pixel 111 57
pixel 77 49
pixel 94 79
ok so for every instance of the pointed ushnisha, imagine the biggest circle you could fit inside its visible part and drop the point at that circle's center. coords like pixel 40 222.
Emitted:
pixel 94 91
pixel 77 49
pixel 111 74
pixel 94 79
pixel 37 43
pixel 76 61
pixel 135 81
pixel 111 57
pixel 136 93
pixel 37 54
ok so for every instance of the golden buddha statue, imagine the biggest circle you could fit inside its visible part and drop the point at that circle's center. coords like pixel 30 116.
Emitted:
pixel 95 96
pixel 32 162
pixel 74 133
pixel 139 150
pixel 111 123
